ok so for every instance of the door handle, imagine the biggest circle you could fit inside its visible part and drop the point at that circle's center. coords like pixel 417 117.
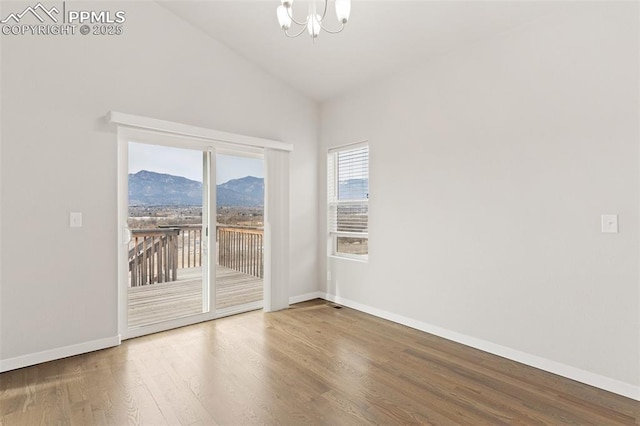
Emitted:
pixel 126 236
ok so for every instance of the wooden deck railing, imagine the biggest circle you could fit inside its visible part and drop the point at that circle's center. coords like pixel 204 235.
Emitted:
pixel 155 255
pixel 241 249
pixel 189 245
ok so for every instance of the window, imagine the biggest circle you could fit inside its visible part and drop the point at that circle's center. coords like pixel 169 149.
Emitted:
pixel 348 201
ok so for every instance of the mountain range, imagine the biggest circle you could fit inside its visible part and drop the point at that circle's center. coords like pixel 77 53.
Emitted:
pixel 148 188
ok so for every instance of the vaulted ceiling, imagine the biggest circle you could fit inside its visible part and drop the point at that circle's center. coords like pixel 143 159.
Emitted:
pixel 381 37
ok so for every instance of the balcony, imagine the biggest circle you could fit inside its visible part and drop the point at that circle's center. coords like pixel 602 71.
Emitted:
pixel 165 271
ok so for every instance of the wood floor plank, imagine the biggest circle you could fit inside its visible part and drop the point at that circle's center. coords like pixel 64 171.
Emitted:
pixel 515 382
pixel 377 388
pixel 311 364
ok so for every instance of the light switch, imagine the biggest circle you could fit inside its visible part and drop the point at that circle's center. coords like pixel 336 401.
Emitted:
pixel 75 220
pixel 610 223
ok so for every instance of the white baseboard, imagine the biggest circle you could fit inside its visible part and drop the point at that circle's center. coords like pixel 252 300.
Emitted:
pixel 308 296
pixel 57 353
pixel 592 379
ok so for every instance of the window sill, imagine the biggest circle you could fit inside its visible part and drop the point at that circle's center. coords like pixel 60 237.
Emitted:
pixel 349 259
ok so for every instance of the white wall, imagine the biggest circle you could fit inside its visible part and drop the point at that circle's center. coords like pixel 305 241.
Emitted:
pixel 59 285
pixel 490 168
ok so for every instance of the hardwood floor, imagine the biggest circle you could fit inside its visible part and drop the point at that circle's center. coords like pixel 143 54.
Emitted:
pixel 311 364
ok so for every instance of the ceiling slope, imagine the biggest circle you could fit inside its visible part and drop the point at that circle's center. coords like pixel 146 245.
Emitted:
pixel 382 37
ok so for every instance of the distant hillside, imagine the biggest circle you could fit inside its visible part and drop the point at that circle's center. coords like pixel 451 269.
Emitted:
pixel 157 189
pixel 247 191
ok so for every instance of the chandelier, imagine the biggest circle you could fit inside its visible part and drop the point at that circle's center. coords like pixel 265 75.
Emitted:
pixel 314 21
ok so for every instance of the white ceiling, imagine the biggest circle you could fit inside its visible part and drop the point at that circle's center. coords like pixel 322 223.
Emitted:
pixel 381 37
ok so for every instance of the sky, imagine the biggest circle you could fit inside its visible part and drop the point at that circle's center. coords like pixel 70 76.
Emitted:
pixel 188 163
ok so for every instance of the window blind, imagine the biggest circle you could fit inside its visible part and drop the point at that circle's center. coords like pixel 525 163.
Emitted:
pixel 348 195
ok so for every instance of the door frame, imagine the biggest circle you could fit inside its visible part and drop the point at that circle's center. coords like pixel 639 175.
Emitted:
pixel 276 216
pixel 126 135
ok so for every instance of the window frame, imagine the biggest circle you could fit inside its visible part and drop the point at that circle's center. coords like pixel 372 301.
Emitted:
pixel 333 202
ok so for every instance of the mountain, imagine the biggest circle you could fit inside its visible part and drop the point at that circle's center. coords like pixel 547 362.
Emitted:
pixel 158 189
pixel 247 191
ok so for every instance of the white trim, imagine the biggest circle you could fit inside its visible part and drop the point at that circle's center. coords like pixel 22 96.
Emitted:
pixel 240 309
pixel 205 285
pixel 1 144
pixel 352 145
pixel 172 140
pixel 130 333
pixel 246 152
pixel 115 117
pixel 57 353
pixel 347 234
pixel 210 252
pixel 350 257
pixel 124 234
pixel 564 370
pixel 364 201
pixel 307 296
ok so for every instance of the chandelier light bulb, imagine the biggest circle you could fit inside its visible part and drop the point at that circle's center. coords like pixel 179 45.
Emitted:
pixel 343 10
pixel 283 18
pixel 313 24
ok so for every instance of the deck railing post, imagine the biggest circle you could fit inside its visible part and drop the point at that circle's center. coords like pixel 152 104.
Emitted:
pixel 174 257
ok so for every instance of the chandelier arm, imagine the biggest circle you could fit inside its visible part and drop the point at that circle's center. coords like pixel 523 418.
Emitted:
pixel 295 35
pixel 332 31
pixel 290 13
pixel 324 12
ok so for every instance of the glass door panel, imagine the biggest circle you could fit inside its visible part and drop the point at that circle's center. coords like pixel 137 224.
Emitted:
pixel 168 224
pixel 239 233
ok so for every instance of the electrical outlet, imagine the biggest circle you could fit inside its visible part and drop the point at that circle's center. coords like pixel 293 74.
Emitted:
pixel 75 220
pixel 610 223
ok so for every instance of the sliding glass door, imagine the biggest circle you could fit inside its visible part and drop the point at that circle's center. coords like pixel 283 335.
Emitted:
pixel 193 245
